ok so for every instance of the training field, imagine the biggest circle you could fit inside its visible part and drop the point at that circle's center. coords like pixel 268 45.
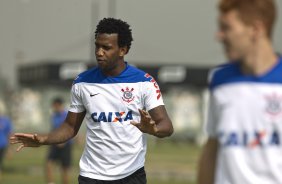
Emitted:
pixel 167 163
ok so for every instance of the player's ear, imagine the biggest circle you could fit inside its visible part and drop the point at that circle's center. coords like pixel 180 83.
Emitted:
pixel 258 29
pixel 123 51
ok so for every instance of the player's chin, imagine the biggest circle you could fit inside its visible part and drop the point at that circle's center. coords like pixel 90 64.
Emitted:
pixel 102 65
pixel 232 56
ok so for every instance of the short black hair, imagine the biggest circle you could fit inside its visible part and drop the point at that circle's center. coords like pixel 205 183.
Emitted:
pixel 58 100
pixel 111 26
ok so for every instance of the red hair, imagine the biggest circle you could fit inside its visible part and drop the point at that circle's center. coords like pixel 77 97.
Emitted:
pixel 252 10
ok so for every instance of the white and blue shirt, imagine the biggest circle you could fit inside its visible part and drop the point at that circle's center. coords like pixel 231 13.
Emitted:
pixel 114 148
pixel 245 116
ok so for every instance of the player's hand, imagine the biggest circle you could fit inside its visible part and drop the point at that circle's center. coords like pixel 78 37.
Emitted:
pixel 26 140
pixel 146 125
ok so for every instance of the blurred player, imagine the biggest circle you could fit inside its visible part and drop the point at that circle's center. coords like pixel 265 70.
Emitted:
pixel 5 131
pixel 245 113
pixel 120 103
pixel 59 152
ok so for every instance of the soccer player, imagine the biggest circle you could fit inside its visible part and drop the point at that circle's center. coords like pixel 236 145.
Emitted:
pixel 59 152
pixel 120 103
pixel 5 131
pixel 245 114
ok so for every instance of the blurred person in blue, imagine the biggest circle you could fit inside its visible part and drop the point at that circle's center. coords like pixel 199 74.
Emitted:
pixel 244 124
pixel 61 153
pixel 5 131
pixel 121 105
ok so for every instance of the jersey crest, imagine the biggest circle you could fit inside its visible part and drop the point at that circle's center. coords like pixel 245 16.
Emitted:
pixel 127 94
pixel 274 105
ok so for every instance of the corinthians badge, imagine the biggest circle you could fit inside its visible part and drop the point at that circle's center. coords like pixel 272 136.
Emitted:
pixel 274 104
pixel 127 94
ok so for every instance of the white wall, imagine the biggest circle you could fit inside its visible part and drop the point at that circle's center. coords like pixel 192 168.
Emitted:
pixel 165 31
pixel 179 31
pixel 35 30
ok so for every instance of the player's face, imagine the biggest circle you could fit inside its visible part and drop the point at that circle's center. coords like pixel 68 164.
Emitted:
pixel 57 107
pixel 235 35
pixel 107 51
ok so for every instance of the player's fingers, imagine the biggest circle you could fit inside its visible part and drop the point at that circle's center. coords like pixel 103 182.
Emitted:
pixel 23 135
pixel 145 116
pixel 24 139
pixel 152 122
pixel 20 147
pixel 13 138
pixel 144 112
pixel 147 119
pixel 35 137
pixel 141 113
pixel 38 139
pixel 15 142
pixel 19 134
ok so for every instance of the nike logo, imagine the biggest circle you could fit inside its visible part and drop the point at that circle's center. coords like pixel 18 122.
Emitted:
pixel 91 95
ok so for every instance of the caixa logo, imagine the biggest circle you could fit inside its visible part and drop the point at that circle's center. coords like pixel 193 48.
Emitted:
pixel 250 139
pixel 111 116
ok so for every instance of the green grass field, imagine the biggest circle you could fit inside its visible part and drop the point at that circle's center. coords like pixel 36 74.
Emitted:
pixel 167 163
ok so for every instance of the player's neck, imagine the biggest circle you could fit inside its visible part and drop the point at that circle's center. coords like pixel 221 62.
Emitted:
pixel 260 60
pixel 117 70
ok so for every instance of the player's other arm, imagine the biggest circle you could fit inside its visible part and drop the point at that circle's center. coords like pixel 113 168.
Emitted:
pixel 156 122
pixel 66 131
pixel 207 163
pixel 163 123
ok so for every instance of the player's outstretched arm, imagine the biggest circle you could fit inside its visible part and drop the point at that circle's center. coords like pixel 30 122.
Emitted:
pixel 207 162
pixel 27 140
pixel 156 122
pixel 62 134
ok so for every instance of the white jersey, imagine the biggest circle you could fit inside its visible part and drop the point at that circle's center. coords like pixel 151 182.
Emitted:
pixel 114 148
pixel 245 116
